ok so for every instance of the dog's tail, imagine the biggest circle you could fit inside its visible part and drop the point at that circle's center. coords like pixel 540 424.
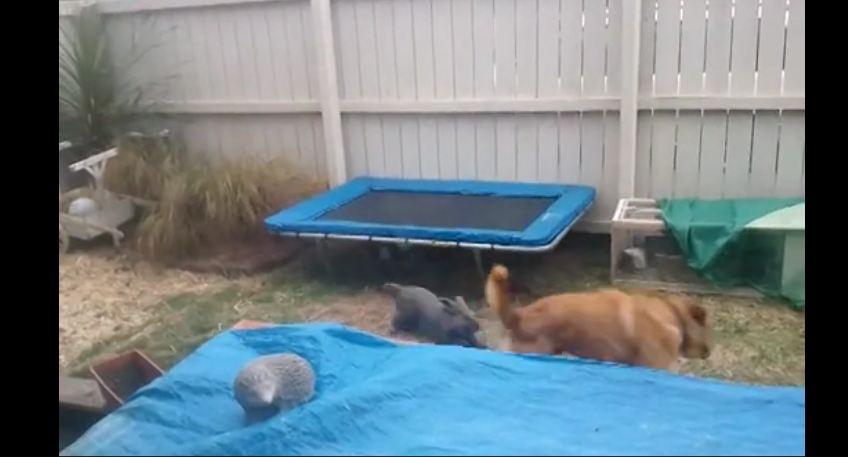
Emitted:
pixel 498 296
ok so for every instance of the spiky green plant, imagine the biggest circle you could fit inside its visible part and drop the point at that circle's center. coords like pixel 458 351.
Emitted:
pixel 95 100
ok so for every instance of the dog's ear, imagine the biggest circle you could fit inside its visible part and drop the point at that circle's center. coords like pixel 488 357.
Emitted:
pixel 698 313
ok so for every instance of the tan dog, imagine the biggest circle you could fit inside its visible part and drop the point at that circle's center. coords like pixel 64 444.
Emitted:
pixel 641 328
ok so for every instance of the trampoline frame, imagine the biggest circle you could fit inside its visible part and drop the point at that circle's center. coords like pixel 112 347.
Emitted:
pixel 542 234
pixel 476 248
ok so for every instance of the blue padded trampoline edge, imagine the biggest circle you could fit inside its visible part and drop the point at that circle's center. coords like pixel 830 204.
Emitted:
pixel 558 217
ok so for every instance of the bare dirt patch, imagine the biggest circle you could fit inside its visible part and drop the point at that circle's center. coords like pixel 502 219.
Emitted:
pixel 367 311
pixel 256 255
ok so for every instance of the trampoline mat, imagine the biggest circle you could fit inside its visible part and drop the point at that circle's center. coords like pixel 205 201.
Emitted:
pixel 433 209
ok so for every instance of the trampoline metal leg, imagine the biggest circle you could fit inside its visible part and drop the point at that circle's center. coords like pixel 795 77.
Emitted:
pixel 478 262
pixel 323 255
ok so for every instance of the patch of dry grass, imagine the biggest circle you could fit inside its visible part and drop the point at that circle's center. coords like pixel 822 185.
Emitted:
pixel 200 204
pixel 181 321
pixel 103 294
pixel 215 203
pixel 142 166
pixel 757 341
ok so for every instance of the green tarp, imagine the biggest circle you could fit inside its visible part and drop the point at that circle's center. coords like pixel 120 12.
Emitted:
pixel 712 236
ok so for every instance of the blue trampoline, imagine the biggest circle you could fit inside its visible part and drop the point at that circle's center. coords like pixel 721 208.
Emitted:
pixel 377 398
pixel 470 214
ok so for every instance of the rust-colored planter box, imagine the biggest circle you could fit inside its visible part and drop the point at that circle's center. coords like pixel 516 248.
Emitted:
pixel 121 376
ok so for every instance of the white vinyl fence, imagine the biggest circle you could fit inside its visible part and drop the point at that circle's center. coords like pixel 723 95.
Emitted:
pixel 656 98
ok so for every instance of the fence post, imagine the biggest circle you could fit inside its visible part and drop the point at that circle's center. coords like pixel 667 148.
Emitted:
pixel 322 25
pixel 629 114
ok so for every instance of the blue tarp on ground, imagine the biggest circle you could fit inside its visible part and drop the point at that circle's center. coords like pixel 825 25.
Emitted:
pixel 377 398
